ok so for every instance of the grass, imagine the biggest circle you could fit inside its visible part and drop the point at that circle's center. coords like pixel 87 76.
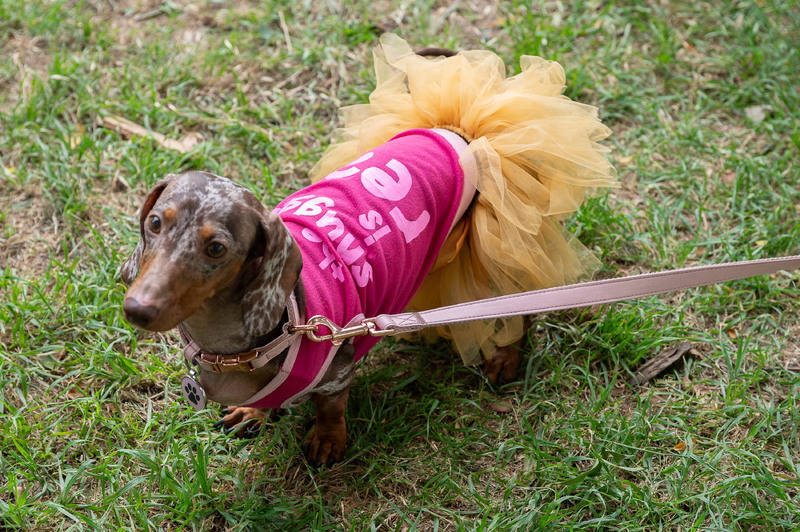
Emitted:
pixel 94 434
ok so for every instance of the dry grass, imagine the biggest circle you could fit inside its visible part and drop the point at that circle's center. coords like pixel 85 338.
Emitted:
pixel 94 434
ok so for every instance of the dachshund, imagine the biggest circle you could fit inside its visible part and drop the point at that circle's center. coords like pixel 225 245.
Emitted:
pixel 240 280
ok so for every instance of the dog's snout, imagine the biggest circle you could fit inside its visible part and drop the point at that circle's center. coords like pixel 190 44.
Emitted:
pixel 137 313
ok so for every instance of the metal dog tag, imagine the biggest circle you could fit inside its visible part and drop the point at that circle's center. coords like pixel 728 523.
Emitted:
pixel 193 392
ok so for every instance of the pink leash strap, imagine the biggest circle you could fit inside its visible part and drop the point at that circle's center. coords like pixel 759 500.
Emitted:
pixel 582 294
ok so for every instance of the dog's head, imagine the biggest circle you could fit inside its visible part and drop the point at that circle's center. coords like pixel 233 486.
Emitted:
pixel 202 238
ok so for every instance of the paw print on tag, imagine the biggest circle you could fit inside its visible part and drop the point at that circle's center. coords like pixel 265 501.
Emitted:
pixel 193 393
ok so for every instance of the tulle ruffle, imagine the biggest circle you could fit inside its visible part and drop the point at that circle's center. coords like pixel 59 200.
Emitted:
pixel 537 153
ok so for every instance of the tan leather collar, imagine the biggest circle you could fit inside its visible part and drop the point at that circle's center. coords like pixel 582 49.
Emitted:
pixel 249 360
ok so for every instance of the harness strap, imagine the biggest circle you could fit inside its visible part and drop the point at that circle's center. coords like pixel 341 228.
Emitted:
pixel 249 360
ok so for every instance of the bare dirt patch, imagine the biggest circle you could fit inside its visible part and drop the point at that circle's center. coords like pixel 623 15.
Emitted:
pixel 31 56
pixel 30 234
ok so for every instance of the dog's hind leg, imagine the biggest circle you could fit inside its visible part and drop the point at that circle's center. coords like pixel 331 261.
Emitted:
pixel 502 368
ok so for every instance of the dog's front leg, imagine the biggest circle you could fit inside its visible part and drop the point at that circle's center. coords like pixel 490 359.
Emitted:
pixel 327 441
pixel 245 422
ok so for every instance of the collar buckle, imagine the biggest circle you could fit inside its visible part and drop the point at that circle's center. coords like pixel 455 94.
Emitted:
pixel 248 360
pixel 230 363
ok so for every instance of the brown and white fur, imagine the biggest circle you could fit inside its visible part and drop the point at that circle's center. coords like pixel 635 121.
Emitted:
pixel 212 258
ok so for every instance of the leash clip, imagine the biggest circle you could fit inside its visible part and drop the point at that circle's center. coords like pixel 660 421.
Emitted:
pixel 338 334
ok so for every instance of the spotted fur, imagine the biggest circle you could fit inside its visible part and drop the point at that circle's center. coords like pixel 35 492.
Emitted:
pixel 233 303
pixel 174 280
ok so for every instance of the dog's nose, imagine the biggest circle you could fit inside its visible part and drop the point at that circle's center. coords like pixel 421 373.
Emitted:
pixel 138 314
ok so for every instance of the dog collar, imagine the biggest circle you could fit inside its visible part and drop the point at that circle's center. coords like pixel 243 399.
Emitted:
pixel 248 360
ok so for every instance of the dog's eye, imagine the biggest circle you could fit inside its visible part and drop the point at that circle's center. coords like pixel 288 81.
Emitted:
pixel 154 223
pixel 215 250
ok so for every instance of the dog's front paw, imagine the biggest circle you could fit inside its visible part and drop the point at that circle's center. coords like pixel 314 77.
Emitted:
pixel 325 445
pixel 242 421
pixel 502 368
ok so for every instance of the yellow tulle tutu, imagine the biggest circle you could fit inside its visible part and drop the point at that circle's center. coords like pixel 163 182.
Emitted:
pixel 537 156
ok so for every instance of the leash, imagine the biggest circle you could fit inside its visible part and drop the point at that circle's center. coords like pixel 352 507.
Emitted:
pixel 548 300
pixel 526 303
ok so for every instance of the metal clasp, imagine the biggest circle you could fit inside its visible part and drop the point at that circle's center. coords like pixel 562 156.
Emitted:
pixel 338 335
pixel 229 363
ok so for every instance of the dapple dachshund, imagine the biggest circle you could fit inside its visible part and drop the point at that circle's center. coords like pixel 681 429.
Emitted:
pixel 232 275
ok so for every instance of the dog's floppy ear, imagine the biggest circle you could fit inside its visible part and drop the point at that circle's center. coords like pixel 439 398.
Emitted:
pixel 276 263
pixel 130 268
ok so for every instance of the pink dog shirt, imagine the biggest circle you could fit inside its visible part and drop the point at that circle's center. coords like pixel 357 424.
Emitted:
pixel 369 233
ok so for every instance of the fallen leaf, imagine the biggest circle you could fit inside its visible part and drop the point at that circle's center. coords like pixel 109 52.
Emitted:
pixel 758 113
pixel 189 141
pixel 682 445
pixel 660 363
pixel 502 407
pixel 625 161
